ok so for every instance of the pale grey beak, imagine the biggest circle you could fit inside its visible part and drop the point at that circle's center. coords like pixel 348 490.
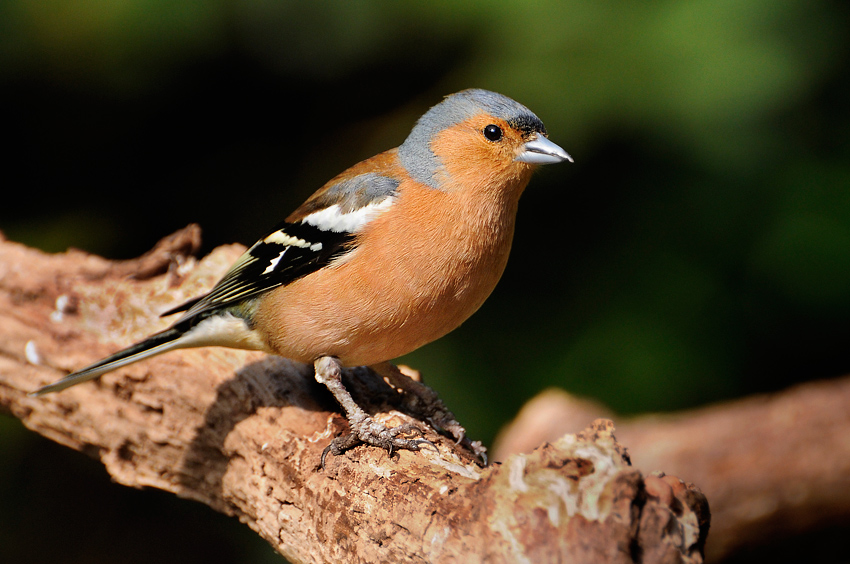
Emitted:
pixel 542 151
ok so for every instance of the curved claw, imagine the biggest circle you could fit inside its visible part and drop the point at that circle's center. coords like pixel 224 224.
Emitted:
pixel 339 445
pixel 324 455
pixel 421 442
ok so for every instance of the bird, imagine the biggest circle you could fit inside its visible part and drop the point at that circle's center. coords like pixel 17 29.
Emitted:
pixel 391 254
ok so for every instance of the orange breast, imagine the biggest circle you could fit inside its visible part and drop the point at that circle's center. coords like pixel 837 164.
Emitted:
pixel 407 284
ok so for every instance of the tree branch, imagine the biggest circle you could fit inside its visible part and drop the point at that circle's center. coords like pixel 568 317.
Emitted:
pixel 243 433
pixel 772 465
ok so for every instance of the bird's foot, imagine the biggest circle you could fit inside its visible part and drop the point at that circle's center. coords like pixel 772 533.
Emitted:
pixel 423 403
pixel 371 432
pixel 443 420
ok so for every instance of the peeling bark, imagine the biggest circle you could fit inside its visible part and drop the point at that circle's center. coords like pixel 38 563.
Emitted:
pixel 243 433
pixel 772 465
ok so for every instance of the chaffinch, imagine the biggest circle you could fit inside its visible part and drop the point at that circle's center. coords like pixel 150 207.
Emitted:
pixel 392 254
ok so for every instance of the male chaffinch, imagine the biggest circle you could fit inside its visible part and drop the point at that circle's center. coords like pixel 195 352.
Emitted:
pixel 392 254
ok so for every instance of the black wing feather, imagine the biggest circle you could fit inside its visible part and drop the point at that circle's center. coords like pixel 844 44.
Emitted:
pixel 269 264
pixel 183 306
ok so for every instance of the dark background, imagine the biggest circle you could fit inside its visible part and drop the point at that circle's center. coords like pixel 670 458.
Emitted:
pixel 698 250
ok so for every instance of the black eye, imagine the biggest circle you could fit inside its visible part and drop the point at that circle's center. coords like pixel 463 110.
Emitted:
pixel 493 132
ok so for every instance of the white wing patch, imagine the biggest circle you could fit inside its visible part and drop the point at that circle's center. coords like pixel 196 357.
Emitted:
pixel 280 237
pixel 273 264
pixel 331 219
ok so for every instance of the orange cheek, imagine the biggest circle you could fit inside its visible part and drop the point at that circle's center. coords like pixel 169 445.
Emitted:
pixel 473 163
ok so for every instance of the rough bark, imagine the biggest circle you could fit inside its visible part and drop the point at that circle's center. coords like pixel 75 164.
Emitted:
pixel 772 465
pixel 244 433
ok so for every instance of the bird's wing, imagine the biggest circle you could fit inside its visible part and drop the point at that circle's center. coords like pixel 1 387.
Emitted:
pixel 323 229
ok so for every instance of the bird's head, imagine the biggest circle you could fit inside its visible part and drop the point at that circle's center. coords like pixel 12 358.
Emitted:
pixel 478 138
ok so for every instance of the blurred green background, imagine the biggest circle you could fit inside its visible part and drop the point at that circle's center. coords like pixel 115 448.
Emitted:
pixel 698 249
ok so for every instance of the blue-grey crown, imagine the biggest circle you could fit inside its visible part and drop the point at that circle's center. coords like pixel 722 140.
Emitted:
pixel 416 154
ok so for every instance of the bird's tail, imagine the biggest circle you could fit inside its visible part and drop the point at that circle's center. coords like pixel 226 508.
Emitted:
pixel 155 344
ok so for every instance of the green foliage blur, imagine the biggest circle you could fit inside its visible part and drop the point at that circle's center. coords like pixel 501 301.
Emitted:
pixel 697 250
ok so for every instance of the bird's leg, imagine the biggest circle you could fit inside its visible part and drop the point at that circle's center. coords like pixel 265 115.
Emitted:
pixel 423 403
pixel 364 429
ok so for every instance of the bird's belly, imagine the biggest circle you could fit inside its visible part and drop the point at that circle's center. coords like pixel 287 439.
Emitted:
pixel 365 318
